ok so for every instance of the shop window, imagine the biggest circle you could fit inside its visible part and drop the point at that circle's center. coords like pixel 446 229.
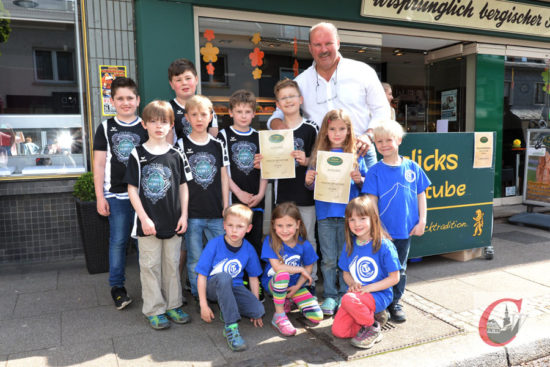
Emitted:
pixel 41 124
pixel 540 94
pixel 54 66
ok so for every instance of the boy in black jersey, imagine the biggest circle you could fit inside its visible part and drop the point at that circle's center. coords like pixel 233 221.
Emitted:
pixel 242 143
pixel 114 140
pixel 183 79
pixel 209 189
pixel 157 178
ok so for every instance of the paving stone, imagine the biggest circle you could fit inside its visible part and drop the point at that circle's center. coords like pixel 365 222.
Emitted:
pixel 19 335
pixel 537 273
pixel 28 282
pixel 521 237
pixel 98 353
pixel 180 345
pixel 510 285
pixel 7 305
pixel 53 301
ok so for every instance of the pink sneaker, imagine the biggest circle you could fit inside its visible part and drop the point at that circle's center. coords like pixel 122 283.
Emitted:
pixel 282 324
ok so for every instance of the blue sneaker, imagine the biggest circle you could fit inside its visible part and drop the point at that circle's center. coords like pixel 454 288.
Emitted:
pixel 178 316
pixel 329 306
pixel 158 322
pixel 234 340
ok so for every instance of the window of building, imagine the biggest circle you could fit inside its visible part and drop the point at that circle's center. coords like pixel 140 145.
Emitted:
pixel 54 65
pixel 540 94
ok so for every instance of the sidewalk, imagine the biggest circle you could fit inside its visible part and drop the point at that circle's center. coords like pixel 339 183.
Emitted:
pixel 58 315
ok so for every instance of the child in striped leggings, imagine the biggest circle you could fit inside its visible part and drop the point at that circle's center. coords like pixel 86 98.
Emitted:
pixel 290 258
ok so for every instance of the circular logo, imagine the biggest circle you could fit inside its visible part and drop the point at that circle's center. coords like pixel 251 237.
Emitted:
pixel 365 269
pixel 483 139
pixel 410 176
pixel 500 323
pixel 232 267
pixel 335 161
pixel 276 138
pixel 293 260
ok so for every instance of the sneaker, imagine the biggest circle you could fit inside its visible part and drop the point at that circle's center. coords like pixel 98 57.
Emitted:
pixel 120 297
pixel 329 306
pixel 178 316
pixel 367 336
pixel 261 294
pixel 234 339
pixel 396 313
pixel 282 324
pixel 381 317
pixel 158 322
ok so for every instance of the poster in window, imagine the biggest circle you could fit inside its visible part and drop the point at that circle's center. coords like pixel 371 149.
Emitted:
pixel 108 73
pixel 536 189
pixel 448 104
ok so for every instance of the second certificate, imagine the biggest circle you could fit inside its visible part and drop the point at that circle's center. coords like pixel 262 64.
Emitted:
pixel 333 180
pixel 276 147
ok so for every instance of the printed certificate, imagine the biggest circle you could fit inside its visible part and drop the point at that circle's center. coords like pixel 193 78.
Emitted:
pixel 276 147
pixel 333 180
pixel 483 150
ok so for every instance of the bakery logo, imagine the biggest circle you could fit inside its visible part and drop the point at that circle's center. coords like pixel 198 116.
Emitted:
pixel 335 161
pixel 276 138
pixel 499 333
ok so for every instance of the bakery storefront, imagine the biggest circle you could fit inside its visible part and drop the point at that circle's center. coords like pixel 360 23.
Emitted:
pixel 453 65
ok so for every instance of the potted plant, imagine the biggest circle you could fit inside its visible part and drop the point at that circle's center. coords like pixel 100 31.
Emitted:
pixel 93 227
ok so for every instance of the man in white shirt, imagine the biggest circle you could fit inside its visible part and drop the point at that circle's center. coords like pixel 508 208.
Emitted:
pixel 334 82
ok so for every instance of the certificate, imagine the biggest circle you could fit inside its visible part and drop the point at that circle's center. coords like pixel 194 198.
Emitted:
pixel 483 150
pixel 333 180
pixel 276 147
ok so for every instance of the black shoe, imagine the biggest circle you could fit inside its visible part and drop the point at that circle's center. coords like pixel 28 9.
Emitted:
pixel 120 297
pixel 396 313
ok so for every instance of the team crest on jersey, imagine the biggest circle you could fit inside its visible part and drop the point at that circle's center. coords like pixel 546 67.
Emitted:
pixel 243 155
pixel 232 267
pixel 203 167
pixel 298 145
pixel 363 269
pixel 123 143
pixel 155 181
pixel 410 176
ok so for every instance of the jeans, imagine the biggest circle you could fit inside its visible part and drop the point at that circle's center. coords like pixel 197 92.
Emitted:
pixel 370 157
pixel 234 301
pixel 196 227
pixel 402 246
pixel 120 225
pixel 332 240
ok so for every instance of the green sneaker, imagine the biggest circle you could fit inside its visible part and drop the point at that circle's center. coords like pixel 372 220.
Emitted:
pixel 234 340
pixel 178 316
pixel 158 322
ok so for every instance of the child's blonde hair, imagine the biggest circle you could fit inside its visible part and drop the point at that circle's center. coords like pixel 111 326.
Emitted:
pixel 158 110
pixel 238 210
pixel 323 143
pixel 365 206
pixel 280 211
pixel 386 128
pixel 198 101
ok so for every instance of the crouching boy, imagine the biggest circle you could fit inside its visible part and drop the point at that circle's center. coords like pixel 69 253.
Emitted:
pixel 220 276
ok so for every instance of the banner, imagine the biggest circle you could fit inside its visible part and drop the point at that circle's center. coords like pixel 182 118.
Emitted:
pixel 536 182
pixel 108 73
pixel 492 15
pixel 460 199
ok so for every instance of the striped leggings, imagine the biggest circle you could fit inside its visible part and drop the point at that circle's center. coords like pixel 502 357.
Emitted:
pixel 307 304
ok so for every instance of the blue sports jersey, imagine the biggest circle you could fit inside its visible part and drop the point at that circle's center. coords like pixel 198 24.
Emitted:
pixel 324 209
pixel 397 188
pixel 217 258
pixel 300 255
pixel 366 268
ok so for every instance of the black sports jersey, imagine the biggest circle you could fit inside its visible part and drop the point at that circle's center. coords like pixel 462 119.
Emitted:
pixel 158 179
pixel 181 125
pixel 294 189
pixel 205 190
pixel 118 139
pixel 241 148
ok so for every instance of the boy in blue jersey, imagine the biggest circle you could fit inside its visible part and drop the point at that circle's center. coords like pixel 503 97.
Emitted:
pixel 220 276
pixel 398 185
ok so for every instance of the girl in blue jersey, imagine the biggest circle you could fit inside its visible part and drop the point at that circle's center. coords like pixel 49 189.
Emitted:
pixel 336 135
pixel 371 267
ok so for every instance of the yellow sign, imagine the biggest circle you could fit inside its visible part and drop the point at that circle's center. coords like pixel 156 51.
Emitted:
pixel 494 15
pixel 108 73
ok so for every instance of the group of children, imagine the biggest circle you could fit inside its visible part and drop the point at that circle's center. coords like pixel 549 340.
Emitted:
pixel 181 180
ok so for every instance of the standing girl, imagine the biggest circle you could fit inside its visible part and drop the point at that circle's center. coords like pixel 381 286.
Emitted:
pixel 336 135
pixel 290 258
pixel 371 267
